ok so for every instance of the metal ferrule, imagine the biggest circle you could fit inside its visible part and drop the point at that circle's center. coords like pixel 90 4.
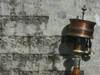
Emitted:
pixel 77 62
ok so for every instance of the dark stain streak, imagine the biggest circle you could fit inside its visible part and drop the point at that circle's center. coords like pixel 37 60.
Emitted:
pixel 12 2
pixel 75 2
pixel 86 0
pixel 91 1
pixel 29 41
pixel 89 9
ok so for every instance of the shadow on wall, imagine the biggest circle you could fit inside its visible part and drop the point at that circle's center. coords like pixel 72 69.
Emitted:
pixel 68 44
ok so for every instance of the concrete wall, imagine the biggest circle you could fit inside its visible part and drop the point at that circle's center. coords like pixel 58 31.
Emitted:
pixel 31 34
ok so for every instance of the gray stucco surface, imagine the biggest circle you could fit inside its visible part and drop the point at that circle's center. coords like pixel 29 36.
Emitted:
pixel 31 32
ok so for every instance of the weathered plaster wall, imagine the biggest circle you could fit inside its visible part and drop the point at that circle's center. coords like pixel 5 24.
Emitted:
pixel 30 36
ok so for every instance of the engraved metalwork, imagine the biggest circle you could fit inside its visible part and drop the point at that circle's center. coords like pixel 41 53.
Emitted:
pixel 81 35
pixel 81 28
pixel 83 21
pixel 77 63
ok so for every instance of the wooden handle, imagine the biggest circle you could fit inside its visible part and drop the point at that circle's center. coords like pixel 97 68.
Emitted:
pixel 76 72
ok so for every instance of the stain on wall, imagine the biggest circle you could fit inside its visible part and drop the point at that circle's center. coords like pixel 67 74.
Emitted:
pixel 31 41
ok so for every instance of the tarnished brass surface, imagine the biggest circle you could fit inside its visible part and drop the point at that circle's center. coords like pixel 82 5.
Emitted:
pixel 78 51
pixel 82 21
pixel 79 35
pixel 81 32
pixel 91 52
pixel 84 9
pixel 77 63
pixel 80 24
pixel 81 28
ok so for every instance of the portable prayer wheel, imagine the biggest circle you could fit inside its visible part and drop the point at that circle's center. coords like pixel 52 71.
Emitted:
pixel 81 28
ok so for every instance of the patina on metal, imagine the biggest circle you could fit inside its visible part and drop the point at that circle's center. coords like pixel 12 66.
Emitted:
pixel 81 28
pixel 78 52
pixel 77 63
pixel 84 9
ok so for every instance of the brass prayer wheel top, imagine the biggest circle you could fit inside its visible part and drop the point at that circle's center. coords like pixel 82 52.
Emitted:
pixel 81 28
pixel 84 9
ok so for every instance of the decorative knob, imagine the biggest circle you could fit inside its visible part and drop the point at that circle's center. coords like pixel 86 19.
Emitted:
pixel 84 9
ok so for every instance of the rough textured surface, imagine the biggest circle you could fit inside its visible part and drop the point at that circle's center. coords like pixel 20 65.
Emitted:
pixel 31 32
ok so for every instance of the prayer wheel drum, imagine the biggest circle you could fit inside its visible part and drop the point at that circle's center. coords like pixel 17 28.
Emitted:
pixel 81 28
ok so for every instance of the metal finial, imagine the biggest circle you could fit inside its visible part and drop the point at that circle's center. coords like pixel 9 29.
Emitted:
pixel 84 9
